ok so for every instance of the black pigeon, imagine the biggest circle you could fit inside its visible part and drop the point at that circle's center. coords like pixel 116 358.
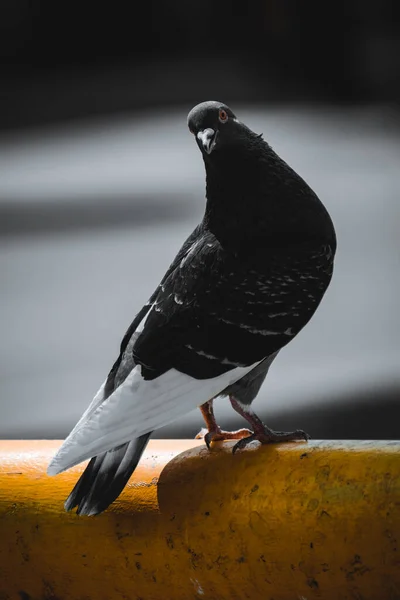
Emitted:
pixel 242 286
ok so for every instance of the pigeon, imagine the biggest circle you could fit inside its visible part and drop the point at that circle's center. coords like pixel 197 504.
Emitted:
pixel 242 286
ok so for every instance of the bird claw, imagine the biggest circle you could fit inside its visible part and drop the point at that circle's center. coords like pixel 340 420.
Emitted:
pixel 218 435
pixel 202 434
pixel 272 437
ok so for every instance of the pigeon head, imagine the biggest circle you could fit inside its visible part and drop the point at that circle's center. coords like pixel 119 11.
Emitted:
pixel 214 126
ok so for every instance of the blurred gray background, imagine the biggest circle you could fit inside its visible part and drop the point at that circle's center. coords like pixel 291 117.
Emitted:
pixel 100 182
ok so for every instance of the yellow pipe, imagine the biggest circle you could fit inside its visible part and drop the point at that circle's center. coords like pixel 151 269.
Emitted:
pixel 295 521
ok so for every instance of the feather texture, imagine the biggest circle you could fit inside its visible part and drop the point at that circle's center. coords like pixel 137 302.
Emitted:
pixel 105 477
pixel 137 407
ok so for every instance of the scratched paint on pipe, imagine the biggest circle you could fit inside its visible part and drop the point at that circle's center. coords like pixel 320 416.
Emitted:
pixel 316 520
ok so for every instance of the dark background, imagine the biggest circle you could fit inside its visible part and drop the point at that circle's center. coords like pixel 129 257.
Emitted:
pixel 68 62
pixel 99 184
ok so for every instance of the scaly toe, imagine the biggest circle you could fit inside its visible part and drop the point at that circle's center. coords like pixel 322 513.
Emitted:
pixel 219 435
pixel 272 437
pixel 244 442
pixel 286 436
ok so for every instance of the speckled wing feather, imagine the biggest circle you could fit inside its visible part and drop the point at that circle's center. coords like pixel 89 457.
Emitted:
pixel 217 310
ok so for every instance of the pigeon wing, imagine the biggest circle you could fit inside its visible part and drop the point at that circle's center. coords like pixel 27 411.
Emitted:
pixel 143 403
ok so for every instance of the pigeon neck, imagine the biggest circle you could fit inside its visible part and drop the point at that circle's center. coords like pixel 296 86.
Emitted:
pixel 255 198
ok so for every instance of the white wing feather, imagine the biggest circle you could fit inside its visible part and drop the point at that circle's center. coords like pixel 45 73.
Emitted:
pixel 136 407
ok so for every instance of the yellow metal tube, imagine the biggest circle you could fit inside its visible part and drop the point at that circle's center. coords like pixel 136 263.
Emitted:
pixel 295 521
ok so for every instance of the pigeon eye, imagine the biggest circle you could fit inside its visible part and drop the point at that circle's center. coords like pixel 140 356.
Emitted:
pixel 223 115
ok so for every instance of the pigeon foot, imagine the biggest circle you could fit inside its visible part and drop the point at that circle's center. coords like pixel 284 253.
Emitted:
pixel 272 437
pixel 217 435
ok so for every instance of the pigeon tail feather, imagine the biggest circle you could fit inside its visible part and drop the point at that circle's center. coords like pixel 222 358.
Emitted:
pixel 105 477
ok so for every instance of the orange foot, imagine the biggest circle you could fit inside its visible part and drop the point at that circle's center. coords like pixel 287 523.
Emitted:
pixel 217 435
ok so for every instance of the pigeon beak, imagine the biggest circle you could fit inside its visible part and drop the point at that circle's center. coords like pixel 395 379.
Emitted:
pixel 208 138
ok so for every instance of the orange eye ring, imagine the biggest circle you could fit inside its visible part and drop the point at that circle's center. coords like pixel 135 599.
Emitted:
pixel 223 115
